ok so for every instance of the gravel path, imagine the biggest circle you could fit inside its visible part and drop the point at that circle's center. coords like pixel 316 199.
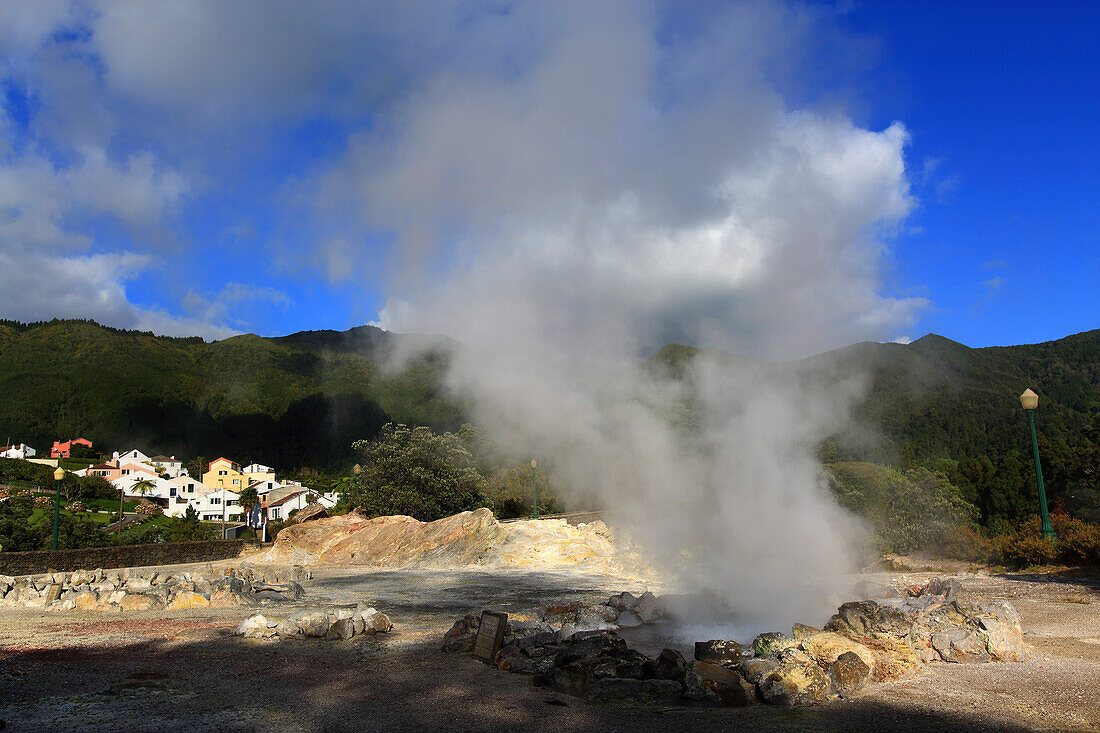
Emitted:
pixel 184 669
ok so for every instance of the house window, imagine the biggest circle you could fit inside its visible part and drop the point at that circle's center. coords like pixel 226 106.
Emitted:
pixel 172 491
pixel 190 488
pixel 215 500
pixel 222 473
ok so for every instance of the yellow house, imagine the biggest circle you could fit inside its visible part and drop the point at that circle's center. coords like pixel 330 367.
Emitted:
pixel 225 474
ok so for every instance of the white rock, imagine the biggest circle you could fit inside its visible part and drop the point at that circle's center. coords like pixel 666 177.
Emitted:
pixel 254 626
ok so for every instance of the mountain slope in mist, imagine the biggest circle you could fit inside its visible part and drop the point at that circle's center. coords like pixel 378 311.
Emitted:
pixel 938 399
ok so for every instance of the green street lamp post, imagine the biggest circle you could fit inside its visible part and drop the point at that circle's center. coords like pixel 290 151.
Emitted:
pixel 534 492
pixel 1029 400
pixel 357 470
pixel 57 476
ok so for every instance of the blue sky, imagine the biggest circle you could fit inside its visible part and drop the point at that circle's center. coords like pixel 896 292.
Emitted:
pixel 191 168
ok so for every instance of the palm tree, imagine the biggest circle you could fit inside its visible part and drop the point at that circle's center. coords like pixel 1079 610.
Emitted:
pixel 142 486
pixel 248 499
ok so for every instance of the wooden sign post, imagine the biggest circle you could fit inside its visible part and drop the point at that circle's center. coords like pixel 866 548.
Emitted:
pixel 490 635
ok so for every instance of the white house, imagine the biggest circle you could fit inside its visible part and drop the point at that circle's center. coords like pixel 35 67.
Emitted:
pixel 168 464
pixel 287 498
pixel 187 490
pixel 217 505
pixel 130 456
pixel 21 452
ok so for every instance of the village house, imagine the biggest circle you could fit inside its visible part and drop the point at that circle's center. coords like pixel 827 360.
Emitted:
pixel 225 474
pixel 65 449
pixel 168 464
pixel 21 452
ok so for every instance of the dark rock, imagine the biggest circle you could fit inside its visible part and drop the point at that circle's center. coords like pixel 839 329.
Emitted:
pixel 769 644
pixel 622 602
pixel 799 631
pixel 757 669
pixel 589 644
pixel 460 637
pixel 540 639
pixel 946 587
pixel 511 659
pixel 848 673
pixel 867 618
pixel 722 685
pixel 648 608
pixel 669 665
pixel 717 651
pixel 572 679
pixel 633 692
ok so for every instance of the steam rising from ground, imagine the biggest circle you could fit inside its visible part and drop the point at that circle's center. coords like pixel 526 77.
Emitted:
pixel 614 193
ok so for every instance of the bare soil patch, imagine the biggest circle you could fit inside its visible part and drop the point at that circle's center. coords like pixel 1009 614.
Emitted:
pixel 147 671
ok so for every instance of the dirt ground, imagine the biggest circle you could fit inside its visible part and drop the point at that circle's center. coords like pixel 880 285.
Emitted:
pixel 159 671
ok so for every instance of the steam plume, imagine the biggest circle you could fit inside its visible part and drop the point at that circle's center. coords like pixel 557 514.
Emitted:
pixel 618 192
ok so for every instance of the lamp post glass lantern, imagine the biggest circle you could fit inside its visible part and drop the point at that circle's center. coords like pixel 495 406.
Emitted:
pixel 358 471
pixel 57 476
pixel 1030 401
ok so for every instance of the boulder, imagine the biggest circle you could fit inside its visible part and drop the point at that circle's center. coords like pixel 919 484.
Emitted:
pixel 226 598
pixel 390 542
pixel 825 647
pixel 770 644
pixel 795 685
pixel 622 602
pixel 801 631
pixel 314 624
pixel 139 602
pixel 756 669
pixel 628 620
pixel 309 512
pixel 960 645
pixel 848 673
pixel 253 627
pixel 187 599
pixel 343 628
pixel 723 685
pixel 717 651
pixel 86 601
pixel 868 618
pixel 616 691
pixel 669 665
pixel 376 622
pixel 648 608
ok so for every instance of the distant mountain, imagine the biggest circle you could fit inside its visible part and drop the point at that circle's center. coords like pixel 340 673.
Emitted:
pixel 298 400
pixel 301 400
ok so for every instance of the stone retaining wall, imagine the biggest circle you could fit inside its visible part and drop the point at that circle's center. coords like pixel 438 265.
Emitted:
pixel 121 556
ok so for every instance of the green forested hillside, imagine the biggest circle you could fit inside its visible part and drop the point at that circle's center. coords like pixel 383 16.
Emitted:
pixel 937 403
pixel 300 401
pixel 295 401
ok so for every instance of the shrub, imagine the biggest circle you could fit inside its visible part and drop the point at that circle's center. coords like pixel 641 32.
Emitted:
pixel 1078 543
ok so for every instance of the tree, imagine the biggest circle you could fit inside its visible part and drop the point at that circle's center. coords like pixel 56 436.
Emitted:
pixel 415 472
pixel 196 467
pixel 142 487
pixel 248 500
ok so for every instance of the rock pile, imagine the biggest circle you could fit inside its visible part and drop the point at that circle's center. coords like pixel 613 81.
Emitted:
pixel 865 641
pixel 147 590
pixel 338 623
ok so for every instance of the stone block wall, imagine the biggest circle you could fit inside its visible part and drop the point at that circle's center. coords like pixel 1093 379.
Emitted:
pixel 121 556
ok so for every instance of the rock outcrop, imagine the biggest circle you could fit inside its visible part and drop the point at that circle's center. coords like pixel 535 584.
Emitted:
pixel 468 539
